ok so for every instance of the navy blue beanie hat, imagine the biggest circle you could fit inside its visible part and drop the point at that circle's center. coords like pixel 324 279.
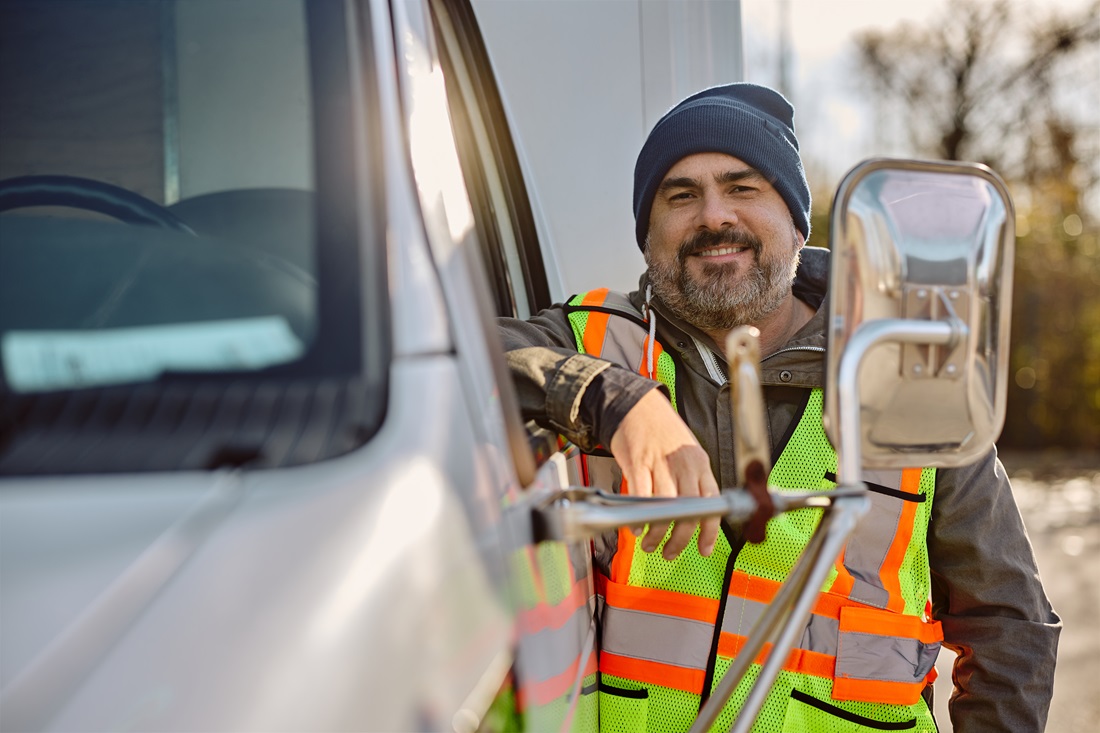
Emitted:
pixel 749 122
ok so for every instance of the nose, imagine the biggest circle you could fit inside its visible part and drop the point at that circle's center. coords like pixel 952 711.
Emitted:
pixel 715 214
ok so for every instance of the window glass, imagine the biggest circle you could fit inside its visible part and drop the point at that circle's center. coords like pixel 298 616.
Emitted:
pixel 192 268
pixel 157 182
pixel 502 213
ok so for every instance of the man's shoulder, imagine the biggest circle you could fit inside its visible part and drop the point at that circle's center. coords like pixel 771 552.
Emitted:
pixel 630 305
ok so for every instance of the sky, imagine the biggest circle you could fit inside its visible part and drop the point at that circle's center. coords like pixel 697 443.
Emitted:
pixel 832 116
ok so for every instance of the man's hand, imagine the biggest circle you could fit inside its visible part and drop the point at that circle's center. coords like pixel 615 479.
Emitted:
pixel 659 456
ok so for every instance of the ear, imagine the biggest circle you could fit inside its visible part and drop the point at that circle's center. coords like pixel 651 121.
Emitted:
pixel 798 236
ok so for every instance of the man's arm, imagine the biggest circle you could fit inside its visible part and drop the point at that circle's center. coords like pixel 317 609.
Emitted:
pixel 593 402
pixel 577 395
pixel 987 593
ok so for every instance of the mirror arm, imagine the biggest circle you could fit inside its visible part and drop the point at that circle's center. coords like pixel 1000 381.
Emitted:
pixel 582 513
pixel 870 334
pixel 750 434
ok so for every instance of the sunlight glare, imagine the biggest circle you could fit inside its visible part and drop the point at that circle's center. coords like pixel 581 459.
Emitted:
pixel 434 157
pixel 413 502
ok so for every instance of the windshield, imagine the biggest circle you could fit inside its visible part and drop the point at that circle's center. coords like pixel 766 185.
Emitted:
pixel 162 163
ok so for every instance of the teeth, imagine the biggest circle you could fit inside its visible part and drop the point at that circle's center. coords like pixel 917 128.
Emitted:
pixel 721 251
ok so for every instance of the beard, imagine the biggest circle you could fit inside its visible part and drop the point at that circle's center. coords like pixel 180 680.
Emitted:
pixel 716 300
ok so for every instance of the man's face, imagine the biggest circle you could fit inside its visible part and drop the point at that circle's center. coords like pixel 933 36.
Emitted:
pixel 722 248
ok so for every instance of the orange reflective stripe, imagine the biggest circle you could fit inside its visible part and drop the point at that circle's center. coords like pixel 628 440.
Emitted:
pixel 595 298
pixel 666 602
pixel 799 660
pixel 891 693
pixel 546 616
pixel 891 564
pixel 545 692
pixel 874 621
pixel 594 333
pixel 763 590
pixel 596 325
pixel 743 585
pixel 653 673
pixel 624 553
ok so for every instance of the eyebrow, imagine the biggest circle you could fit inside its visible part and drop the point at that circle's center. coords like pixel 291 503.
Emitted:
pixel 743 174
pixel 731 176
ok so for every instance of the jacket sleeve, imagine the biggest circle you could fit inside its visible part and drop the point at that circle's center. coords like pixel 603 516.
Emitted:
pixel 987 593
pixel 574 394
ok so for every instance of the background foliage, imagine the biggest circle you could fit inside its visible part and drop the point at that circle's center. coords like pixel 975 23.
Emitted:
pixel 1019 90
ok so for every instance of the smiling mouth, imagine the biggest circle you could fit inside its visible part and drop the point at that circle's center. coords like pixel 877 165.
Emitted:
pixel 720 251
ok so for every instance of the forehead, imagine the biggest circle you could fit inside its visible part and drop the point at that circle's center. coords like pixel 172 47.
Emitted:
pixel 705 165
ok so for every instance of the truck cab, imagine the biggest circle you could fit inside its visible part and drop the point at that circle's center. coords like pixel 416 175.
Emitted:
pixel 260 463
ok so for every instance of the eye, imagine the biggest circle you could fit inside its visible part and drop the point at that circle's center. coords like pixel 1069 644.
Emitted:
pixel 681 196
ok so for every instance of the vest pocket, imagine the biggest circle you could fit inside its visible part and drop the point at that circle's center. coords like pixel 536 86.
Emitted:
pixel 807 713
pixel 884 657
pixel 622 710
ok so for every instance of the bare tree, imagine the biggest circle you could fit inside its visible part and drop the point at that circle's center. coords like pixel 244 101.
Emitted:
pixel 996 83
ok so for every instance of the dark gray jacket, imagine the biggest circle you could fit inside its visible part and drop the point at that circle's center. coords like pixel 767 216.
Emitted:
pixel 985 584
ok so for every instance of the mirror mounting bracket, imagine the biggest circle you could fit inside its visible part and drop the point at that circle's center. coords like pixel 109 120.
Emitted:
pixel 935 303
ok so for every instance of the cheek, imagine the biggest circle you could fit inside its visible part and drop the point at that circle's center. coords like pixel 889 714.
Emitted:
pixel 663 246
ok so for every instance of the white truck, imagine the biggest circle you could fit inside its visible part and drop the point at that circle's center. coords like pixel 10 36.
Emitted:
pixel 260 462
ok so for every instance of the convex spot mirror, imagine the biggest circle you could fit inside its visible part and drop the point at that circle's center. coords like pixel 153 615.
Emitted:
pixel 919 303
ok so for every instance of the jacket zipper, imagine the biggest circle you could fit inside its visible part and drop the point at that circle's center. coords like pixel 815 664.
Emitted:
pixel 815 349
pixel 710 361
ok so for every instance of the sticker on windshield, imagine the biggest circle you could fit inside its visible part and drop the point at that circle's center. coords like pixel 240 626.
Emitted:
pixel 38 361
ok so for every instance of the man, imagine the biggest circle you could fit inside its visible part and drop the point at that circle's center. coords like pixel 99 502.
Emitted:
pixel 722 215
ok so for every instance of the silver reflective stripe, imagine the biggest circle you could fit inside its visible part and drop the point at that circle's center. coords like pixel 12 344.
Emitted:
pixel 622 343
pixel 656 637
pixel 884 658
pixel 820 634
pixel 550 652
pixel 617 301
pixel 867 548
pixel 623 338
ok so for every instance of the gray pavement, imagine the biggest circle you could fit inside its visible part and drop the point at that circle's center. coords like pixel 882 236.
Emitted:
pixel 1059 498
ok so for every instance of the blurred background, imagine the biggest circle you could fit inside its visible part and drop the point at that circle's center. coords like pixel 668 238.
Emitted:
pixel 1014 84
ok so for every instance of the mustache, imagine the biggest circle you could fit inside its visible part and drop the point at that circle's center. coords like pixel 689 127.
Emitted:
pixel 707 239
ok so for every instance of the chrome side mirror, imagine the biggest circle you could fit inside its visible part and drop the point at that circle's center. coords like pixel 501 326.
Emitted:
pixel 919 304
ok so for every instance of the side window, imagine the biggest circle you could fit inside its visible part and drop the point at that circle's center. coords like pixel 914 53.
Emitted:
pixel 490 165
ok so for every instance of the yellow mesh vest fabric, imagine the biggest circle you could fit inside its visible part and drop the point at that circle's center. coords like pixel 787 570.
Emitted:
pixel 802 466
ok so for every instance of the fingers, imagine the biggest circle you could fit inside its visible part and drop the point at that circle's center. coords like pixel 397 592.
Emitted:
pixel 682 532
pixel 662 483
pixel 708 532
pixel 659 456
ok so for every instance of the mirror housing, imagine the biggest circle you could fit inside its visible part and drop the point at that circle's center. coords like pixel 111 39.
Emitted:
pixel 918 322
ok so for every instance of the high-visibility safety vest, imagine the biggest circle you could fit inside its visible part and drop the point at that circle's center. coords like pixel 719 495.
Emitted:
pixel 670 630
pixel 553 619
